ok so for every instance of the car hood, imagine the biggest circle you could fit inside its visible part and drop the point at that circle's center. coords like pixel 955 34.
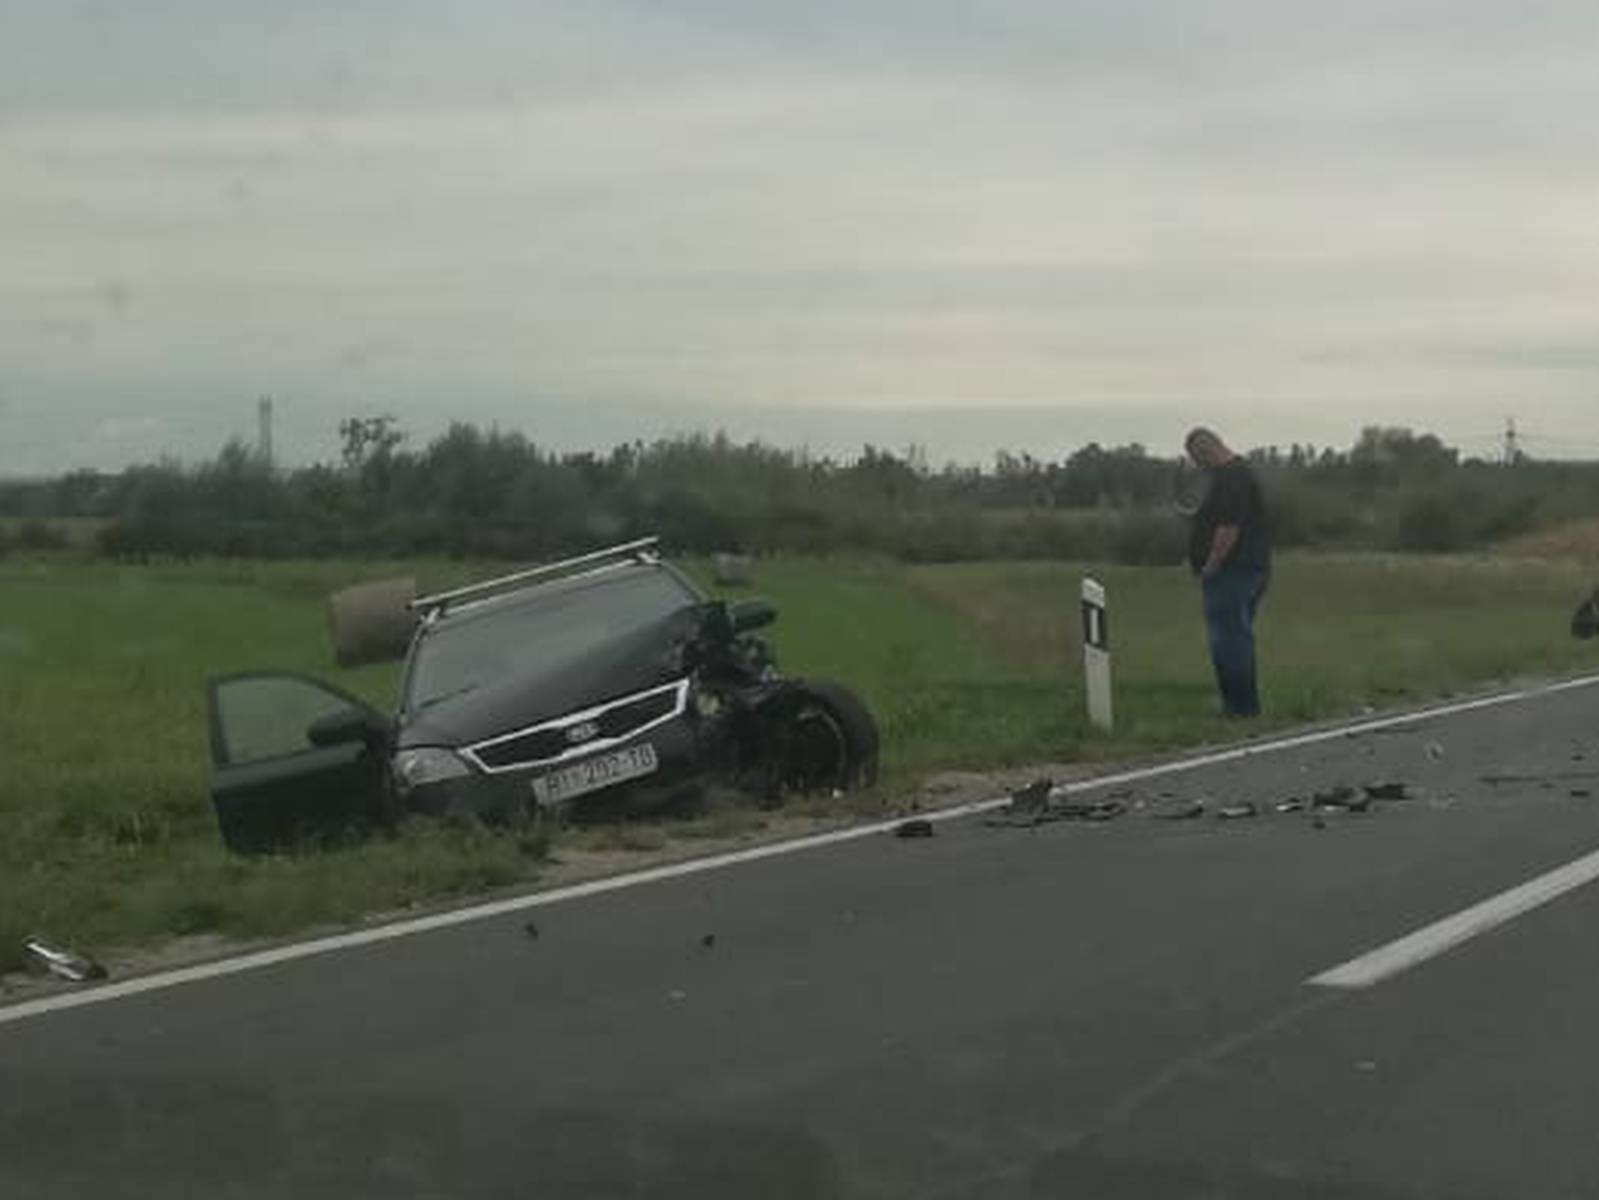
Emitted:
pixel 644 658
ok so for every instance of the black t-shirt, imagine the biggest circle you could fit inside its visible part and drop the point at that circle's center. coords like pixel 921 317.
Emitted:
pixel 1234 499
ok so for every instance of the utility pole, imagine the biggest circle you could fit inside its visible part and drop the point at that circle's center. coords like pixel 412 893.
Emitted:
pixel 1512 449
pixel 264 436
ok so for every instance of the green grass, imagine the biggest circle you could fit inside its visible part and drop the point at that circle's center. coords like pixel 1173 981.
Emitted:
pixel 106 832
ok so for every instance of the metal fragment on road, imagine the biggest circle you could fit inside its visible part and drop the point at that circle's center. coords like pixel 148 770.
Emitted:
pixel 42 955
pixel 918 828
pixel 1032 798
pixel 1387 791
pixel 1234 812
pixel 1340 799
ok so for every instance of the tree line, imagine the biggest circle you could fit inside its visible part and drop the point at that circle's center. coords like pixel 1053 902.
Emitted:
pixel 492 493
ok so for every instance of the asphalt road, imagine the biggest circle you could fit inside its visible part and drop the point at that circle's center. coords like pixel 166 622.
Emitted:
pixel 1106 1010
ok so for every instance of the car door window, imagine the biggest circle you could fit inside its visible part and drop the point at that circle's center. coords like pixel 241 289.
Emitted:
pixel 260 717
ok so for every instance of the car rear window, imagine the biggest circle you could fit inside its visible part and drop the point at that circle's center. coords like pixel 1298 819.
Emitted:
pixel 540 632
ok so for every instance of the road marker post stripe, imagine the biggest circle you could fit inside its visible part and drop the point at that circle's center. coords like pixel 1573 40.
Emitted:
pixel 1097 684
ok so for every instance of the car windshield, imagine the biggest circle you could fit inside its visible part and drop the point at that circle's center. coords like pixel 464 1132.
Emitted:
pixel 540 632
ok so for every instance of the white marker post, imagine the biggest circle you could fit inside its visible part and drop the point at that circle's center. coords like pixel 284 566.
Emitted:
pixel 1096 655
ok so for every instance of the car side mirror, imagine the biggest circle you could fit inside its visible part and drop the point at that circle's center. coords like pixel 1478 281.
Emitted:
pixel 346 725
pixel 752 615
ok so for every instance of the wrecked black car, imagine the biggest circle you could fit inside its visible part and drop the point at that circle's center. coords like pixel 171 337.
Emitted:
pixel 602 678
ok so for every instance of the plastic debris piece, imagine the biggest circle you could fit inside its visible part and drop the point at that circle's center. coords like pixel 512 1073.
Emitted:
pixel 1234 812
pixel 918 828
pixel 1342 799
pixel 61 962
pixel 1387 791
pixel 1032 798
pixel 1435 750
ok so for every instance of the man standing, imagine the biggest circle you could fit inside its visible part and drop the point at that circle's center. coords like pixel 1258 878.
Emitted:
pixel 1229 549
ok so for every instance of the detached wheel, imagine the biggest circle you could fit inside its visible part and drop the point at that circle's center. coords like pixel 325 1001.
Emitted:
pixel 826 741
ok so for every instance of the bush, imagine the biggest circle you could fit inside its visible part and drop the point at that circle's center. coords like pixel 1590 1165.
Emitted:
pixel 1430 523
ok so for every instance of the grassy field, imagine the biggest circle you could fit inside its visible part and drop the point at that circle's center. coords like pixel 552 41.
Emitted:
pixel 107 838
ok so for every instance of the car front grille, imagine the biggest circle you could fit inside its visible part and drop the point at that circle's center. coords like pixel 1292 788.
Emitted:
pixel 583 732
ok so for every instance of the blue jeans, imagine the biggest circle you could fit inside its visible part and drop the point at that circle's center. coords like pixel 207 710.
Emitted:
pixel 1232 597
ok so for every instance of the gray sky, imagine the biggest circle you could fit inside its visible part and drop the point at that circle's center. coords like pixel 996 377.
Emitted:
pixel 1003 223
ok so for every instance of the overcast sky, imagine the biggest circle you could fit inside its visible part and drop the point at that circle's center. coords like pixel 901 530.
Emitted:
pixel 1001 223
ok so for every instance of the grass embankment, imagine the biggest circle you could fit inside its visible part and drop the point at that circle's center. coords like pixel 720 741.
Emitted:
pixel 106 832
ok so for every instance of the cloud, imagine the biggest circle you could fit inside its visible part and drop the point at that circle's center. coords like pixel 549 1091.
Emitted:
pixel 823 208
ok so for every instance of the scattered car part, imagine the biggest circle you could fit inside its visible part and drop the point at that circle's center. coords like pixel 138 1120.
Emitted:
pixel 1234 812
pixel 1033 798
pixel 919 827
pixel 1387 791
pixel 1585 621
pixel 1292 805
pixel 60 962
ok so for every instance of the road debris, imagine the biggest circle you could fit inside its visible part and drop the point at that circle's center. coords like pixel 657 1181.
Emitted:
pixel 709 941
pixel 1235 812
pixel 1340 799
pixel 1040 803
pixel 921 827
pixel 1585 621
pixel 60 962
pixel 531 930
pixel 1387 791
pixel 1435 751
pixel 1179 810
pixel 1034 798
pixel 1291 805
pixel 1580 793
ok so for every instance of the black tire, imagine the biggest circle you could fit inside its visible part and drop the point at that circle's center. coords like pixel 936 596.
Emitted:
pixel 825 741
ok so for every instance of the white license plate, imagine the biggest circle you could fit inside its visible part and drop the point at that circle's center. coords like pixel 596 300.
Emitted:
pixel 595 773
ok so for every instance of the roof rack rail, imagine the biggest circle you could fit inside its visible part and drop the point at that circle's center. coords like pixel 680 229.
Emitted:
pixel 639 550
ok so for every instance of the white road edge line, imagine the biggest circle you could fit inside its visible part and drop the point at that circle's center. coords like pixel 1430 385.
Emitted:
pixel 1441 936
pixel 256 960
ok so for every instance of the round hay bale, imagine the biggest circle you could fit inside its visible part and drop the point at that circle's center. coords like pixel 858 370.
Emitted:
pixel 372 622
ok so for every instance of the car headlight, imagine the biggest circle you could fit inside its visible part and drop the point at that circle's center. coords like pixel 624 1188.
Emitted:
pixel 428 764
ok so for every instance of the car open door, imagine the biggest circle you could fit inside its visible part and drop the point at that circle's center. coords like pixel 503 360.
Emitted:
pixel 294 760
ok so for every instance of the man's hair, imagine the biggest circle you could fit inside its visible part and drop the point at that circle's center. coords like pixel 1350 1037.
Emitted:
pixel 1202 434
